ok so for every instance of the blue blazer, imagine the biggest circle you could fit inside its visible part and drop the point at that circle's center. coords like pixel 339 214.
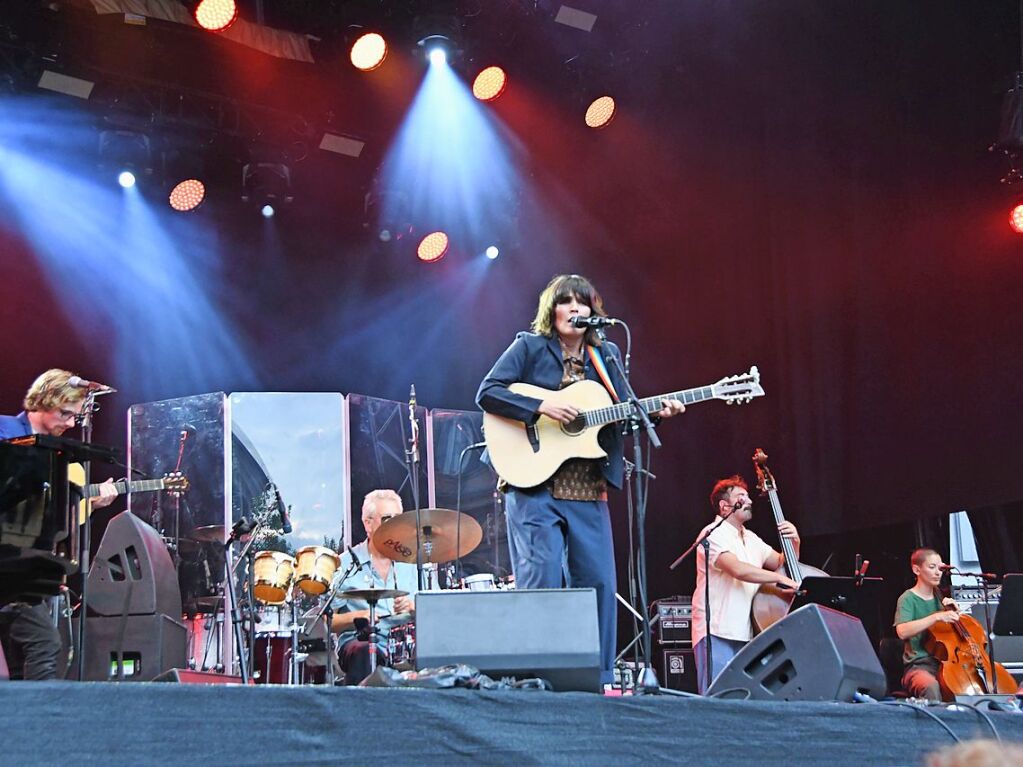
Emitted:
pixel 12 426
pixel 536 359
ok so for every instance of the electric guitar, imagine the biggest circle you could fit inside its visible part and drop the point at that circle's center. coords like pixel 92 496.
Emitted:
pixel 175 483
pixel 526 456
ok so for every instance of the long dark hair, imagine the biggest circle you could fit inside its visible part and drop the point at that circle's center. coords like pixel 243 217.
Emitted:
pixel 559 290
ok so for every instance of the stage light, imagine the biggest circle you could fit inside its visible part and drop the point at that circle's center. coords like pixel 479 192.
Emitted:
pixel 489 84
pixel 492 252
pixel 369 52
pixel 438 49
pixel 438 56
pixel 1016 218
pixel 433 247
pixel 600 112
pixel 126 179
pixel 187 195
pixel 216 15
pixel 267 211
pixel 266 183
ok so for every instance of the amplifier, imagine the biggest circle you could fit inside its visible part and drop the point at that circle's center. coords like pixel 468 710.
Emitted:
pixel 674 620
pixel 678 670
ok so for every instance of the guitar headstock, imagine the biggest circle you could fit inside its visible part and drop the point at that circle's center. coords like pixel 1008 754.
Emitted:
pixel 739 389
pixel 175 483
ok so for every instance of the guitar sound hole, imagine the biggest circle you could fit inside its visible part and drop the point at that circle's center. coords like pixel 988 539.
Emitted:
pixel 574 427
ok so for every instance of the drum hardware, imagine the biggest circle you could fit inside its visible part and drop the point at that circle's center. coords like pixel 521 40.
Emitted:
pixel 401 646
pixel 372 596
pixel 445 535
pixel 479 582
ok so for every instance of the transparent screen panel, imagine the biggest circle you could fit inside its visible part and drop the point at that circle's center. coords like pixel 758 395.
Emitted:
pixel 291 444
pixel 378 440
pixel 463 482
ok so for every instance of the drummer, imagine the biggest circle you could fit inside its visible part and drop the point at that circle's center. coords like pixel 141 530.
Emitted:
pixel 377 571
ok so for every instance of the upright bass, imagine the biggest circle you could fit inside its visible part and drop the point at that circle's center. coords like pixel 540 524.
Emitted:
pixel 771 604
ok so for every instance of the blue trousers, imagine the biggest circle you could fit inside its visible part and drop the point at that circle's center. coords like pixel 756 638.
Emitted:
pixel 553 541
pixel 722 651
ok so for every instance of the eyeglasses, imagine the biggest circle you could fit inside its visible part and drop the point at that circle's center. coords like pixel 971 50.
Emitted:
pixel 67 414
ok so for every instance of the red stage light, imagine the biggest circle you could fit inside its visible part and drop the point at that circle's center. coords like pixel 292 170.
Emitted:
pixel 433 246
pixel 187 195
pixel 600 112
pixel 1016 219
pixel 216 15
pixel 369 52
pixel 489 84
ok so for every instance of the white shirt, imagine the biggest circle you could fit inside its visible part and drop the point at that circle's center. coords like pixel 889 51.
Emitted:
pixel 730 599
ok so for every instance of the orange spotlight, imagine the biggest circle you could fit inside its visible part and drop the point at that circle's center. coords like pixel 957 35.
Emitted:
pixel 489 84
pixel 433 247
pixel 187 195
pixel 216 15
pixel 1016 218
pixel 369 52
pixel 600 112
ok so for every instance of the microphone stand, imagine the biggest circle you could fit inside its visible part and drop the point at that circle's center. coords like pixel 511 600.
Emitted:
pixel 237 531
pixel 704 542
pixel 88 409
pixel 458 508
pixel 412 463
pixel 326 613
pixel 647 681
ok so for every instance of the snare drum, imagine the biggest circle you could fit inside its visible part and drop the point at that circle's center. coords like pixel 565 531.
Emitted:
pixel 479 582
pixel 272 571
pixel 315 569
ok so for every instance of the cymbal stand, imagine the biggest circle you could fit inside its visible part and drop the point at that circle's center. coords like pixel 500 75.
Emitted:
pixel 293 669
pixel 412 464
pixel 326 613
pixel 241 527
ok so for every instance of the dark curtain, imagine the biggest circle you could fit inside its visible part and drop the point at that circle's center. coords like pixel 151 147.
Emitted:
pixel 998 531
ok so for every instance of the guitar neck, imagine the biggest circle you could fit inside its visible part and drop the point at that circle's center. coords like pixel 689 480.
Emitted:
pixel 141 486
pixel 622 410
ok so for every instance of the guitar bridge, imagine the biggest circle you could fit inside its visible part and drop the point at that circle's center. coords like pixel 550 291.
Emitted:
pixel 534 438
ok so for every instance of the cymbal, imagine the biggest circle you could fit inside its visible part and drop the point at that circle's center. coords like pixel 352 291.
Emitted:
pixel 396 538
pixel 372 595
pixel 208 534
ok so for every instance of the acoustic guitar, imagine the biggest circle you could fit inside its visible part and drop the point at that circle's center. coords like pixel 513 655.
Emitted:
pixel 526 456
pixel 175 483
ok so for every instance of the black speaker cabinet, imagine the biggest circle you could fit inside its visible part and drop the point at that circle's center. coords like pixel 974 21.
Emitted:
pixel 813 653
pixel 546 633
pixel 133 648
pixel 678 670
pixel 133 573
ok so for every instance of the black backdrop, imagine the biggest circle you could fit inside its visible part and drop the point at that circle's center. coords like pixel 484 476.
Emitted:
pixel 804 186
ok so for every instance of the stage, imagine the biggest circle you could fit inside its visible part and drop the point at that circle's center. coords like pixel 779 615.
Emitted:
pixel 144 723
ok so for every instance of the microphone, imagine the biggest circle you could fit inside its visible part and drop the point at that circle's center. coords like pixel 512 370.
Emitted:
pixel 355 558
pixel 946 568
pixel 593 322
pixel 80 383
pixel 285 517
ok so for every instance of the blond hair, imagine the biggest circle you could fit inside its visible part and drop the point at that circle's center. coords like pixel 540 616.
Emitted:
pixel 51 390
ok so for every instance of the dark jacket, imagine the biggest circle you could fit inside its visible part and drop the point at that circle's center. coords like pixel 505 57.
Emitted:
pixel 536 359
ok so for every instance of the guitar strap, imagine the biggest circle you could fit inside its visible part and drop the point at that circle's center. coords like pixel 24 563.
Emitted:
pixel 601 367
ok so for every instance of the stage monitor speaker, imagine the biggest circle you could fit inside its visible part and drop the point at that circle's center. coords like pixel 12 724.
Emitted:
pixel 813 653
pixel 546 633
pixel 133 648
pixel 133 573
pixel 191 676
pixel 678 670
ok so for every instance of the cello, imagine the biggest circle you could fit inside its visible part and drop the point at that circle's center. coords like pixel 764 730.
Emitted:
pixel 966 668
pixel 771 603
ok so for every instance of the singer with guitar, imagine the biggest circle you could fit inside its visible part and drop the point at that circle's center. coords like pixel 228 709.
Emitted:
pixel 52 404
pixel 560 523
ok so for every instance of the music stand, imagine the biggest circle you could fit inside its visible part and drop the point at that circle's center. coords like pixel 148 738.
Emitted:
pixel 1009 615
pixel 855 596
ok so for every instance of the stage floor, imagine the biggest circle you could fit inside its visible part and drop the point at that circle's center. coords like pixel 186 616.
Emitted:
pixel 149 723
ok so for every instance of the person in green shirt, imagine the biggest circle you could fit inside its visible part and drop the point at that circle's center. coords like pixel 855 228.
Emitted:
pixel 918 609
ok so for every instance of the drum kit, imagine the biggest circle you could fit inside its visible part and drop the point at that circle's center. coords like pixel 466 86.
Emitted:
pixel 286 648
